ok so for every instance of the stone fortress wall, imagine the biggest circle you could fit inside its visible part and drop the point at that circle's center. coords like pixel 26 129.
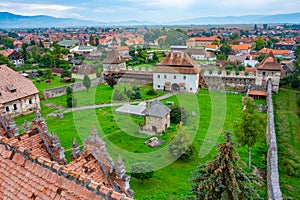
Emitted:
pixel 62 90
pixel 274 192
pixel 239 83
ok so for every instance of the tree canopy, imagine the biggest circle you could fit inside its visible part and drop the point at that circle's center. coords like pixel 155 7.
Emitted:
pixel 87 82
pixel 223 178
pixel 251 128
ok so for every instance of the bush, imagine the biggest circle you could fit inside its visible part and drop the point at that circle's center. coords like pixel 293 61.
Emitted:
pixel 142 170
pixel 69 90
pixel 135 88
pixel 151 92
pixel 71 101
pixel 178 114
pixel 128 94
pixel 138 94
pixel 118 96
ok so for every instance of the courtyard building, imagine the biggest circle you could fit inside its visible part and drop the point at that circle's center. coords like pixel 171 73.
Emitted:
pixel 177 72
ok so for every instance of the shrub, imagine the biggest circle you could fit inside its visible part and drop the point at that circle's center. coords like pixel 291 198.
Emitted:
pixel 128 94
pixel 178 114
pixel 180 146
pixel 118 96
pixel 142 170
pixel 151 92
pixel 71 101
pixel 135 88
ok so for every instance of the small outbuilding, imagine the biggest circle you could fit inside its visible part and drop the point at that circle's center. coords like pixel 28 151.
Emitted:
pixel 157 118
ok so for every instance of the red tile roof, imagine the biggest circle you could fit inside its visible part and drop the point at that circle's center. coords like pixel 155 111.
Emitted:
pixel 7 53
pixel 257 93
pixel 177 62
pixel 240 47
pixel 27 172
pixel 269 63
pixel 213 38
pixel 276 51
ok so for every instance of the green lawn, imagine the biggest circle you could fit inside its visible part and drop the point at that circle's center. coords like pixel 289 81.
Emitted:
pixel 287 130
pixel 55 82
pixel 215 112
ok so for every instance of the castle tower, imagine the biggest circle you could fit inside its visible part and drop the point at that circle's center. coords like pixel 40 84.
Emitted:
pixel 269 69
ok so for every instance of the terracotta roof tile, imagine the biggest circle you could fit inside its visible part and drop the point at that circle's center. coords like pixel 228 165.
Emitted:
pixel 177 62
pixel 269 63
pixel 24 175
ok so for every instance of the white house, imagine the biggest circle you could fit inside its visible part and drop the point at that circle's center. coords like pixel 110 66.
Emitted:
pixel 177 72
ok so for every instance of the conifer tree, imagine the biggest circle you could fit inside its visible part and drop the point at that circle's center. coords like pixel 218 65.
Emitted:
pixel 222 178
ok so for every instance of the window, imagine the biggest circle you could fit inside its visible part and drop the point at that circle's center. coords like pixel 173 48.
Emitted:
pixel 174 77
pixel 158 86
pixel 7 109
pixel 184 77
pixel 191 89
pixel 30 101
pixel 15 107
pixel 165 76
pixel 158 76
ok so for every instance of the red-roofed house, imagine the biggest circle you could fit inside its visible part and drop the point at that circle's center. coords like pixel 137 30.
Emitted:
pixel 269 69
pixel 200 41
pixel 13 55
pixel 280 53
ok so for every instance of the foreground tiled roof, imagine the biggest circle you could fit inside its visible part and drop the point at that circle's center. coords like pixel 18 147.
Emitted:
pixel 178 63
pixel 27 172
pixel 269 63
pixel 14 86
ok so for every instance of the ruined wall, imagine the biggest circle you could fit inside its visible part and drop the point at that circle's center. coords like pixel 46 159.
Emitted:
pixel 274 192
pixel 77 86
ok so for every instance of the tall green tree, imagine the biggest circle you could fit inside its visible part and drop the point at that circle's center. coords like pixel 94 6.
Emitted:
pixel 226 49
pixel 25 54
pixel 259 43
pixel 251 128
pixel 223 178
pixel 87 82
pixel 180 146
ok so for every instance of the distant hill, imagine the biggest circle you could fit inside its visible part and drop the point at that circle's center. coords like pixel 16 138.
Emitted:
pixel 9 20
pixel 245 19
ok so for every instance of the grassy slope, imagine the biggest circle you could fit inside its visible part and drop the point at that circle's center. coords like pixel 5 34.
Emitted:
pixel 287 131
pixel 121 130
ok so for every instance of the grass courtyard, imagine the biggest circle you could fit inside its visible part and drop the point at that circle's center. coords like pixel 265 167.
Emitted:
pixel 215 112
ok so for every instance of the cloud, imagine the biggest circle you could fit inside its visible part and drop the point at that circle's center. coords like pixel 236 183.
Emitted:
pixel 31 9
pixel 150 10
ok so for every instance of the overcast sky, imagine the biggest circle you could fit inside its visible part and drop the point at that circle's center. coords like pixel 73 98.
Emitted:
pixel 147 10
